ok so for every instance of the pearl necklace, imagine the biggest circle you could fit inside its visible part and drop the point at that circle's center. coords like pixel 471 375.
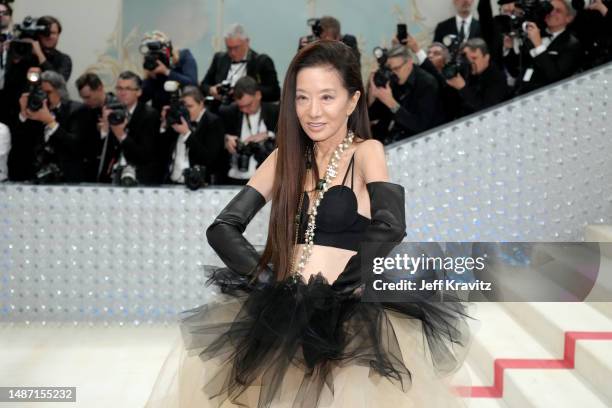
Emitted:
pixel 322 187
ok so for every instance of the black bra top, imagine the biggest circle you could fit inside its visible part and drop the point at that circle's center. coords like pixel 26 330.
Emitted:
pixel 337 224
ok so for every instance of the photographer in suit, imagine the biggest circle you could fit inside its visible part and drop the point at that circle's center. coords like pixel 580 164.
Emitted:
pixel 163 62
pixel 593 28
pixel 250 126
pixel 94 145
pixel 45 145
pixel 134 158
pixel 6 23
pixel 463 24
pixel 486 85
pixel 407 104
pixel 239 61
pixel 197 142
pixel 554 56
pixel 328 28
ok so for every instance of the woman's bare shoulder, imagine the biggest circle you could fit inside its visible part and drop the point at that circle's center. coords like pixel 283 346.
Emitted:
pixel 263 179
pixel 371 161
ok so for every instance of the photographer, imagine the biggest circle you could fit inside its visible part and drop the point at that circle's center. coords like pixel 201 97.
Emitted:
pixel 163 62
pixel 407 104
pixel 463 24
pixel 486 85
pixel 433 61
pixel 45 140
pixel 44 48
pixel 194 141
pixel 328 28
pixel 6 22
pixel 250 126
pixel 554 57
pixel 593 28
pixel 134 160
pixel 95 147
pixel 239 61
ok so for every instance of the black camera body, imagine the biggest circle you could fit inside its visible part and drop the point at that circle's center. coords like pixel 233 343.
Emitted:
pixel 224 89
pixel 195 177
pixel 534 11
pixel 156 51
pixel 260 151
pixel 177 109
pixel 317 30
pixel 119 112
pixel 383 74
pixel 47 170
pixel 458 64
pixel 36 95
pixel 31 29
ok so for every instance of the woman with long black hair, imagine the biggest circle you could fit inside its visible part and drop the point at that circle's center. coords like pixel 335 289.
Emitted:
pixel 288 327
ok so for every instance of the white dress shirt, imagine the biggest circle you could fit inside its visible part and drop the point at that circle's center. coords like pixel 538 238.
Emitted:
pixel 546 41
pixel 5 148
pixel 468 24
pixel 251 125
pixel 180 156
pixel 236 71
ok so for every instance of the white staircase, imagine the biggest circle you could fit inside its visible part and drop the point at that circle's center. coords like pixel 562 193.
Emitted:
pixel 553 354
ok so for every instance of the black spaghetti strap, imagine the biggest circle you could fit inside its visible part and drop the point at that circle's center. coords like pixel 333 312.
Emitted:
pixel 351 163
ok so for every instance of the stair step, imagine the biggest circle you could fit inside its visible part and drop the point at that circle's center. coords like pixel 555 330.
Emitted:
pixel 549 322
pixel 604 308
pixel 549 388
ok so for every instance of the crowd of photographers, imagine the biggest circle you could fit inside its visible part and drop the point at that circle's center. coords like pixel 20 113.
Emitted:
pixel 168 127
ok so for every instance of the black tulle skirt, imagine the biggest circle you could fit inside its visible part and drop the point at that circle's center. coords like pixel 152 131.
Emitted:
pixel 300 344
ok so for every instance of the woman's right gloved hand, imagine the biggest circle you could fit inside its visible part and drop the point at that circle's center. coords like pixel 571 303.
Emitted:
pixel 225 233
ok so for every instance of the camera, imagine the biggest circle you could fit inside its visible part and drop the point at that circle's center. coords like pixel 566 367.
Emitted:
pixel 195 177
pixel 534 11
pixel 154 51
pixel 177 109
pixel 458 64
pixel 224 89
pixel 124 175
pixel 30 28
pixel 47 171
pixel 317 30
pixel 383 74
pixel 260 151
pixel 118 111
pixel 36 95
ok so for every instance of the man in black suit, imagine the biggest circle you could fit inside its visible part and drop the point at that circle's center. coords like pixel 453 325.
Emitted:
pixel 593 28
pixel 197 142
pixel 239 61
pixel 133 144
pixel 248 122
pixel 553 57
pixel 486 85
pixel 408 104
pixel 44 142
pixel 463 25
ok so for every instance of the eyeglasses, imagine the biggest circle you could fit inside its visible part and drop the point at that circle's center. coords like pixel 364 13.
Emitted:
pixel 397 68
pixel 121 88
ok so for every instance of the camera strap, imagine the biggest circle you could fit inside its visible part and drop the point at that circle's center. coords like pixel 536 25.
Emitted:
pixel 248 121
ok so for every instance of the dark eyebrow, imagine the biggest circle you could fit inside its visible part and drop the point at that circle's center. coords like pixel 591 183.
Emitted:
pixel 322 91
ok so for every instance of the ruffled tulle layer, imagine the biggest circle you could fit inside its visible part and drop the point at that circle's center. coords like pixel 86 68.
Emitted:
pixel 300 344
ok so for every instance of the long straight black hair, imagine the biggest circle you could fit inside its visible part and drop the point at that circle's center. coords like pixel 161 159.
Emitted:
pixel 293 143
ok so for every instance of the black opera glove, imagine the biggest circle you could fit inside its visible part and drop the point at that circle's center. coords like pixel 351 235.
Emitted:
pixel 225 233
pixel 386 230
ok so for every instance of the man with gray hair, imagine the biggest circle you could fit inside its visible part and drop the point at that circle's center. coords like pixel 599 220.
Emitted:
pixel 555 54
pixel 45 145
pixel 237 61
pixel 405 105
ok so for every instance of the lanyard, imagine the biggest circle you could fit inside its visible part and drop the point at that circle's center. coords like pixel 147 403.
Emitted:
pixel 249 123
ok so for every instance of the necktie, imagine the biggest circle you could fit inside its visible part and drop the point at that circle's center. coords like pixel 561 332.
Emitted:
pixel 462 31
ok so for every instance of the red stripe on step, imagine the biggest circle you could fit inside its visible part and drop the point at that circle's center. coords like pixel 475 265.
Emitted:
pixel 502 364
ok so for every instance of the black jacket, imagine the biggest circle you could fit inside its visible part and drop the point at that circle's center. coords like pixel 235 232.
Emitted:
pixel 419 108
pixel 57 61
pixel 449 26
pixel 28 143
pixel 484 90
pixel 562 58
pixel 259 66
pixel 141 145
pixel 205 146
pixel 594 32
pixel 450 101
pixel 233 117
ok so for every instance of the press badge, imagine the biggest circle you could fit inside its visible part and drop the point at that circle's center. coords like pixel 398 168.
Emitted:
pixel 528 75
